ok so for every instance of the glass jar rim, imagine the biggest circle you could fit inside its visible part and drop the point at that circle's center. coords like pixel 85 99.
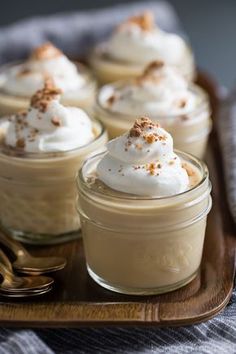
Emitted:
pixel 89 82
pixel 186 156
pixel 201 105
pixel 19 154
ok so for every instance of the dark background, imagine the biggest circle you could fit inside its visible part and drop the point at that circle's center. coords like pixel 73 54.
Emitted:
pixel 210 25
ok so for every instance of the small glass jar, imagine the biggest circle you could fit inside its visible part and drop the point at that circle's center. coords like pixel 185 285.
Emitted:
pixel 82 98
pixel 189 131
pixel 141 245
pixel 38 191
pixel 107 69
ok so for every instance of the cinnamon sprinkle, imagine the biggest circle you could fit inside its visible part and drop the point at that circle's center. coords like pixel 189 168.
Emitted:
pixel 150 138
pixel 151 168
pixel 138 146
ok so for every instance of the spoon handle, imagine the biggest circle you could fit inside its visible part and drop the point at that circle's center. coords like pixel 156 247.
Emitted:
pixel 13 245
pixel 4 260
pixel 5 268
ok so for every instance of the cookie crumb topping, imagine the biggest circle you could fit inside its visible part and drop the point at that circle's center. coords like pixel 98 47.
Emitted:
pixel 56 121
pixel 24 72
pixel 153 66
pixel 181 103
pixel 140 126
pixel 45 51
pixel 111 99
pixel 151 72
pixel 20 143
pixel 42 98
pixel 145 21
pixel 141 129
pixel 189 169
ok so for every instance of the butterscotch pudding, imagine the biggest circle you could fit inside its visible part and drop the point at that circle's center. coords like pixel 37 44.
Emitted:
pixel 143 210
pixel 164 95
pixel 18 82
pixel 41 151
pixel 134 44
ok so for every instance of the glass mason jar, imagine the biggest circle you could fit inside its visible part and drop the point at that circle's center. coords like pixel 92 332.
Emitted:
pixel 141 245
pixel 190 131
pixel 107 69
pixel 38 192
pixel 83 98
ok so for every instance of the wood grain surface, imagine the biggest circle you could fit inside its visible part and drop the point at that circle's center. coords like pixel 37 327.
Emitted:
pixel 76 300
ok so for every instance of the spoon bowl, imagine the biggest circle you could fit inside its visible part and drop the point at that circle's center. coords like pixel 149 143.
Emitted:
pixel 12 283
pixel 38 265
pixel 26 263
pixel 25 294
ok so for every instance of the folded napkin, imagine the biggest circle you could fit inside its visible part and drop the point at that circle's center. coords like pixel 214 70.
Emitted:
pixel 75 34
pixel 227 134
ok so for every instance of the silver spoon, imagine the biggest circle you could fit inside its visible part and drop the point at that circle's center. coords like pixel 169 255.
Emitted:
pixel 27 264
pixel 25 294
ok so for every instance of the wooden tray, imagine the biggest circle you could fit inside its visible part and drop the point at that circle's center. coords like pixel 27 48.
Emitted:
pixel 77 300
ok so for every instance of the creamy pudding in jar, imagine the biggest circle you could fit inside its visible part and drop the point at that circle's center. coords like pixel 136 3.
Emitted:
pixel 143 209
pixel 166 96
pixel 19 81
pixel 41 151
pixel 134 44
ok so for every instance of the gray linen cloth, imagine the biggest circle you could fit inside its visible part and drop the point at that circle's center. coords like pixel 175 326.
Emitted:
pixel 217 336
pixel 76 33
pixel 227 135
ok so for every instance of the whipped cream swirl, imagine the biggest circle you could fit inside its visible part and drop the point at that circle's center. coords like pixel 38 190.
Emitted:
pixel 45 61
pixel 139 41
pixel 142 162
pixel 160 90
pixel 48 126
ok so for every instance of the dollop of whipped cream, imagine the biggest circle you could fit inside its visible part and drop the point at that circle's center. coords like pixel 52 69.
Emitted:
pixel 139 41
pixel 160 90
pixel 48 126
pixel 142 162
pixel 45 61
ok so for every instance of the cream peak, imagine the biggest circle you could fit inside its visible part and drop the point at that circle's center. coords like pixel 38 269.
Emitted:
pixel 45 51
